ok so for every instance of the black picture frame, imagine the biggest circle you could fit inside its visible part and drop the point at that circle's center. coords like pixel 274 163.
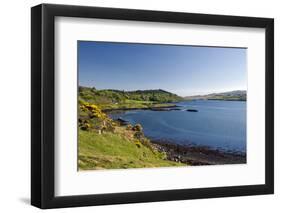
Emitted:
pixel 43 111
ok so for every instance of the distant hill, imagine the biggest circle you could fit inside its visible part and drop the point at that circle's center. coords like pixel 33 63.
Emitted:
pixel 109 98
pixel 237 95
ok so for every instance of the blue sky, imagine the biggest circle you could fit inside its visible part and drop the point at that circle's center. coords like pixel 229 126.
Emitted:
pixel 184 70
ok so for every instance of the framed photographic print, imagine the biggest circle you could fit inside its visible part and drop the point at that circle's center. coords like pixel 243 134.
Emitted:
pixel 140 106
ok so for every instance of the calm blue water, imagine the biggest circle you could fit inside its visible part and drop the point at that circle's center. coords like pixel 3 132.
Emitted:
pixel 217 124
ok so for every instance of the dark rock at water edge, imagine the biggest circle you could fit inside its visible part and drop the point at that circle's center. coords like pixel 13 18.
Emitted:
pixel 169 108
pixel 122 121
pixel 192 110
pixel 198 155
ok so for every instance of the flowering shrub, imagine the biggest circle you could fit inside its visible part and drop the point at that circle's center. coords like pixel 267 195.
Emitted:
pixel 94 118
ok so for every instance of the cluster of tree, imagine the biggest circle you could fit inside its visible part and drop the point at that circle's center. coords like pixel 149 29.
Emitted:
pixel 117 96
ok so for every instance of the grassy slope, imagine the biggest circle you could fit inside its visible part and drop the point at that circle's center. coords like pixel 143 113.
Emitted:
pixel 114 151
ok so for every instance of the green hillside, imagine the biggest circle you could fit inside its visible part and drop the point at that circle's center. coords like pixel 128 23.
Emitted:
pixel 114 99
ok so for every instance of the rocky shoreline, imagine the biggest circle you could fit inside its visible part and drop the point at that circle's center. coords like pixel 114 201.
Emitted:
pixel 198 155
pixel 188 154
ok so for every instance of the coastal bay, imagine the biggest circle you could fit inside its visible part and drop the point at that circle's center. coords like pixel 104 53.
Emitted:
pixel 178 132
pixel 215 134
pixel 158 105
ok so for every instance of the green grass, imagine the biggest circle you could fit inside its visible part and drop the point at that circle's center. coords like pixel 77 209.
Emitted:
pixel 114 151
pixel 126 104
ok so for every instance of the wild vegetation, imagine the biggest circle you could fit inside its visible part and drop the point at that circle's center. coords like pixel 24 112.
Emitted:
pixel 108 144
pixel 118 99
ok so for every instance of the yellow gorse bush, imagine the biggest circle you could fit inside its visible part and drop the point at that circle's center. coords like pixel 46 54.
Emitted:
pixel 94 109
pixel 97 120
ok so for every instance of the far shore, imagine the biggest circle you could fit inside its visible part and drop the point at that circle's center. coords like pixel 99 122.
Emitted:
pixel 213 99
pixel 159 107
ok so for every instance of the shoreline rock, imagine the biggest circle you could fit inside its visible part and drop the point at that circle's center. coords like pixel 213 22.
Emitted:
pixel 122 122
pixel 192 110
pixel 198 155
pixel 188 154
